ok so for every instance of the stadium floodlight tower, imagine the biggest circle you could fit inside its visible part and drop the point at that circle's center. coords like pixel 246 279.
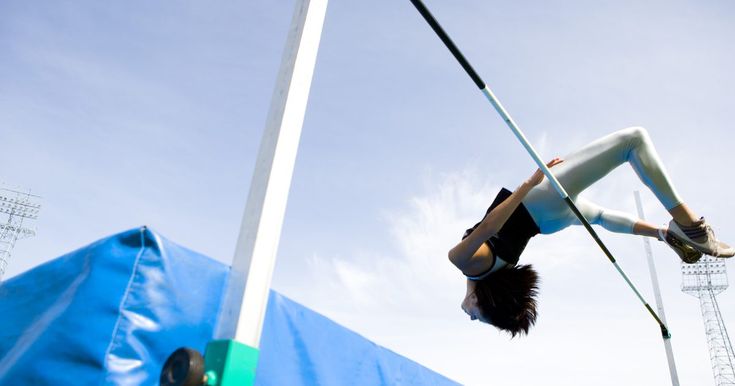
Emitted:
pixel 17 207
pixel 705 280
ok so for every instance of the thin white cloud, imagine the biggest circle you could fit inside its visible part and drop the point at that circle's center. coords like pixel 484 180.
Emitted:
pixel 412 273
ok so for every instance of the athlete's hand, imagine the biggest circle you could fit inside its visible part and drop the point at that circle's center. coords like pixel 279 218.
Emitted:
pixel 538 175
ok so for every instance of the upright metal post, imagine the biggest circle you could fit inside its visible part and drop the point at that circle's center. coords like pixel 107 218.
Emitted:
pixel 657 294
pixel 233 359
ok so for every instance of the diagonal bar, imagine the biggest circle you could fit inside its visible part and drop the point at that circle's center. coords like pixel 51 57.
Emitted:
pixel 531 151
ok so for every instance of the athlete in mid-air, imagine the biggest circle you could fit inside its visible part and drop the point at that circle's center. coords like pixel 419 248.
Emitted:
pixel 501 292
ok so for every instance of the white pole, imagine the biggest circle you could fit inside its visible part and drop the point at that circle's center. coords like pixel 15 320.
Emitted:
pixel 247 292
pixel 657 294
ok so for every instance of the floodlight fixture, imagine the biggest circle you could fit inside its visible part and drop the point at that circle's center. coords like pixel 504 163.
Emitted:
pixel 17 208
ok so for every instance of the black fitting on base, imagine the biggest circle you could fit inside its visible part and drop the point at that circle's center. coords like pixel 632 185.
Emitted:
pixel 185 367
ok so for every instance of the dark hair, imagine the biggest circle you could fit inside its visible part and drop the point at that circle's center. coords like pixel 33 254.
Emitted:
pixel 507 298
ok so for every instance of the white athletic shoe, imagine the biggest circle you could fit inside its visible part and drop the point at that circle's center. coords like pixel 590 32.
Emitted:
pixel 686 253
pixel 724 250
pixel 701 237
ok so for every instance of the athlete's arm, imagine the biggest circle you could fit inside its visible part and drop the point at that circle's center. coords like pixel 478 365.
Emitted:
pixel 472 255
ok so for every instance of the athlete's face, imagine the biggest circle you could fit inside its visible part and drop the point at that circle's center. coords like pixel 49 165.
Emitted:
pixel 469 304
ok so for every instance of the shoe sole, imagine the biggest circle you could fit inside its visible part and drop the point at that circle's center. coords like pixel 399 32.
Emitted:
pixel 676 231
pixel 686 253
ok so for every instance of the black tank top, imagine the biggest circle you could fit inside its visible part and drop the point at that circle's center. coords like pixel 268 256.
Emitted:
pixel 513 236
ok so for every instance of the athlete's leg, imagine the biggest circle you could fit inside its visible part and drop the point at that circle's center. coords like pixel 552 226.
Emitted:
pixel 617 221
pixel 612 220
pixel 595 160
pixel 645 228
pixel 586 166
pixel 589 164
pixel 633 145
pixel 621 222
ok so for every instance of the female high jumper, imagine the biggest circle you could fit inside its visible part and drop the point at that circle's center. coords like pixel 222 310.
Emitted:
pixel 502 293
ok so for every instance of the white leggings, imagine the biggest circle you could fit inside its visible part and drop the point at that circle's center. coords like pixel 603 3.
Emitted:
pixel 589 164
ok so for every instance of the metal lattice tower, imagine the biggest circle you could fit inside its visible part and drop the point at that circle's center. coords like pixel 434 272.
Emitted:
pixel 16 208
pixel 705 280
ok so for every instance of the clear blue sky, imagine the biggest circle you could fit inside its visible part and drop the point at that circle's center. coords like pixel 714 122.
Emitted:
pixel 128 113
